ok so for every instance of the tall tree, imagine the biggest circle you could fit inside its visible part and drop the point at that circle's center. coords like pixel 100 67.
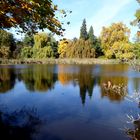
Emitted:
pixel 91 34
pixel 83 31
pixel 115 41
pixel 30 15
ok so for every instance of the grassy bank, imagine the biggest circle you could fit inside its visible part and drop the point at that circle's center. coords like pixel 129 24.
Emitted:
pixel 59 61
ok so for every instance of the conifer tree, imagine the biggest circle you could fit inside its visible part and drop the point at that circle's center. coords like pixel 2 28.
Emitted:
pixel 83 31
pixel 91 34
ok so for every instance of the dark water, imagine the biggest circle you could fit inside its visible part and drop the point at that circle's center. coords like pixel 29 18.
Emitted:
pixel 65 102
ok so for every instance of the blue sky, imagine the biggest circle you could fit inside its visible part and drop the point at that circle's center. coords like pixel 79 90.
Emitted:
pixel 97 13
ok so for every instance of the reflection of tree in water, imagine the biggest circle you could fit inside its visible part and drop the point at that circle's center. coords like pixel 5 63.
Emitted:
pixel 7 79
pixel 86 82
pixel 134 133
pixel 39 78
pixel 83 76
pixel 117 90
pixel 19 125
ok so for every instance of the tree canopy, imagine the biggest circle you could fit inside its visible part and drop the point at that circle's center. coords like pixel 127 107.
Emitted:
pixel 30 15
pixel 83 31
pixel 115 41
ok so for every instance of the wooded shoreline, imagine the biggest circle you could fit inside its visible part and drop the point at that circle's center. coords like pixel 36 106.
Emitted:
pixel 62 61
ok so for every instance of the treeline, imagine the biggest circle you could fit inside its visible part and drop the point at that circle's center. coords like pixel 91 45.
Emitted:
pixel 113 43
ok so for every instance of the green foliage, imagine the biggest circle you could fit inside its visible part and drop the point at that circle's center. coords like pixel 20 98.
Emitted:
pixel 26 52
pixel 54 45
pixel 46 52
pixel 91 34
pixel 137 50
pixel 115 41
pixel 83 31
pixel 28 40
pixel 7 40
pixel 41 40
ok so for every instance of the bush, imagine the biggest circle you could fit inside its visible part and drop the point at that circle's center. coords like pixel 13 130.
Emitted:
pixel 5 52
pixel 26 52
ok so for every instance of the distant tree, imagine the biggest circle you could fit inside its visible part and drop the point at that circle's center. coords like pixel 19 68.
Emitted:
pixel 74 39
pixel 28 40
pixel 91 34
pixel 26 52
pixel 62 48
pixel 5 52
pixel 41 40
pixel 83 31
pixel 113 38
pixel 137 50
pixel 54 45
pixel 7 40
pixel 80 49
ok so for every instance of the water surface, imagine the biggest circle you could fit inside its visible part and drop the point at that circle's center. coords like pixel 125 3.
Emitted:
pixel 65 102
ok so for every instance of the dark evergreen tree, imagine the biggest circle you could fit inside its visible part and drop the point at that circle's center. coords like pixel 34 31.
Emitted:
pixel 83 31
pixel 91 34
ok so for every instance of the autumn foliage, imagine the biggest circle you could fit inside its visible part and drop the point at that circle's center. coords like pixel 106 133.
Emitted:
pixel 30 15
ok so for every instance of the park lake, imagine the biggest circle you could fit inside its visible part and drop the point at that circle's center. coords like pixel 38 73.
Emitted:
pixel 66 102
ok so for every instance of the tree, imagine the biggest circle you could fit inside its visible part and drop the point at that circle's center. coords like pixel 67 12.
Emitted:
pixel 137 15
pixel 91 34
pixel 117 35
pixel 7 40
pixel 62 48
pixel 95 41
pixel 30 15
pixel 41 40
pixel 28 40
pixel 83 31
pixel 137 50
pixel 26 52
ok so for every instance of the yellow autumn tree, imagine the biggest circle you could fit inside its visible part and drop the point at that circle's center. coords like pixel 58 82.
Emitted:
pixel 62 47
pixel 115 41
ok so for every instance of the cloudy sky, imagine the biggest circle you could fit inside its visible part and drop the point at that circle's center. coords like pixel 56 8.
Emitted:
pixel 97 13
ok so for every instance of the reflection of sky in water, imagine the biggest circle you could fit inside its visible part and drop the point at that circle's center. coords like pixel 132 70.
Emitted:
pixel 73 106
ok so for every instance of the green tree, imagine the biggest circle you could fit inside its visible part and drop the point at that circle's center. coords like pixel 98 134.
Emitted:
pixel 116 35
pixel 41 40
pixel 26 52
pixel 7 40
pixel 28 40
pixel 136 50
pixel 95 41
pixel 83 31
pixel 91 34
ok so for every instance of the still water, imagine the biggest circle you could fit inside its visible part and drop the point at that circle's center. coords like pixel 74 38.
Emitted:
pixel 66 102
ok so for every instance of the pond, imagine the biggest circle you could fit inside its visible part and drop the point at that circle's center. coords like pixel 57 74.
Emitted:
pixel 66 102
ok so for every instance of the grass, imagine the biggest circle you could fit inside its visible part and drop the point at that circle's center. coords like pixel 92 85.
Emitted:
pixel 60 61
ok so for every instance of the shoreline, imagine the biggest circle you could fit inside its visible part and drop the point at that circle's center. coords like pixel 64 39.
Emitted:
pixel 60 61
